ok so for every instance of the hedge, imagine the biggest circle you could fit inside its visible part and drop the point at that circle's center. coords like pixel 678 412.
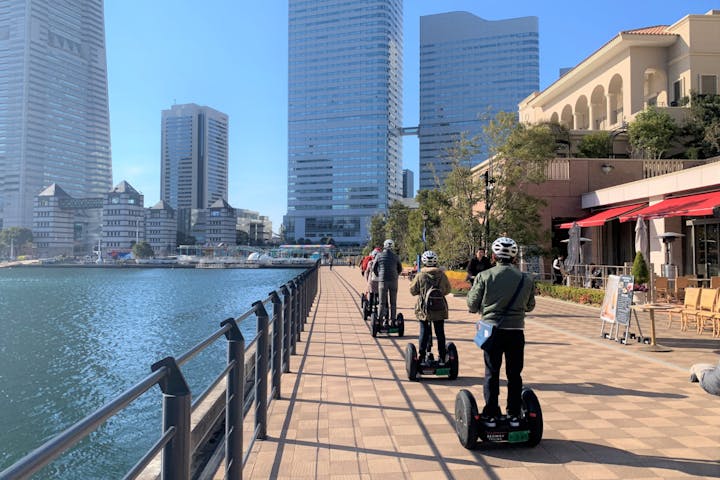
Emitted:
pixel 586 296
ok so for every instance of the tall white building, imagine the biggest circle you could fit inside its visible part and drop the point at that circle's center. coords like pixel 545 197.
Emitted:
pixel 54 122
pixel 469 67
pixel 344 116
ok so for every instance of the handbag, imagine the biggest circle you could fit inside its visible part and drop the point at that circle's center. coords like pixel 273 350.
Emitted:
pixel 485 334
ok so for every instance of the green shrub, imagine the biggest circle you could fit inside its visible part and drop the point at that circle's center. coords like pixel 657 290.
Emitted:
pixel 585 296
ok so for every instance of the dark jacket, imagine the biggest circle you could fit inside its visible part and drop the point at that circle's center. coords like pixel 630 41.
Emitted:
pixel 492 291
pixel 429 277
pixel 387 266
pixel 476 266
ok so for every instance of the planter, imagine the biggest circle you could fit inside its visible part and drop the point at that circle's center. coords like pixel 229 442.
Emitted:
pixel 639 298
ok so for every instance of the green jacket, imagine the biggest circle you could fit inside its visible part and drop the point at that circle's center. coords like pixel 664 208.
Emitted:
pixel 493 289
pixel 429 277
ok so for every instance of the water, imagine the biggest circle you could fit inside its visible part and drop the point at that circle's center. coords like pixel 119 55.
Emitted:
pixel 73 338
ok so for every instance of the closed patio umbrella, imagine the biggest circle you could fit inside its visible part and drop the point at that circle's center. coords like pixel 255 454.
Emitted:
pixel 641 239
pixel 573 254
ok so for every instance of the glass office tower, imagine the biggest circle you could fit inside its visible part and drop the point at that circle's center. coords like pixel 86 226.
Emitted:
pixel 469 68
pixel 194 164
pixel 194 160
pixel 344 116
pixel 54 122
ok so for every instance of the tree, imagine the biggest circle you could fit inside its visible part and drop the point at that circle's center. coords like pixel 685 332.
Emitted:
pixel 522 153
pixel 652 133
pixel 396 227
pixel 595 145
pixel 142 250
pixel 702 127
pixel 15 237
pixel 377 230
pixel 640 270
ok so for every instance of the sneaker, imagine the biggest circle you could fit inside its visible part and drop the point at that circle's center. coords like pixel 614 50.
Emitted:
pixel 488 422
pixel 430 358
pixel 513 421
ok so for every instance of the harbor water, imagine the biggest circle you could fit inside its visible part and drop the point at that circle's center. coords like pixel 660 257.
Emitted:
pixel 73 338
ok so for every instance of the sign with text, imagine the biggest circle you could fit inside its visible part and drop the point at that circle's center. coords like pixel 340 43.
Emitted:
pixel 617 302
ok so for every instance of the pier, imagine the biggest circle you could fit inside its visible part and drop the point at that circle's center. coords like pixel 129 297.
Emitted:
pixel 611 411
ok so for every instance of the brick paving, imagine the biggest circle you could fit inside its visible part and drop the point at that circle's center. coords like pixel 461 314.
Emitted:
pixel 611 411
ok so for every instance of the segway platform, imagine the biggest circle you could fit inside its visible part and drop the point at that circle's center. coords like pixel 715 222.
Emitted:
pixel 397 328
pixel 470 428
pixel 429 366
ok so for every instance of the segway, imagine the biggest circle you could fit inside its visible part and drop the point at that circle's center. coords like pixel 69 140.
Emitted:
pixel 367 304
pixel 416 366
pixel 470 428
pixel 378 326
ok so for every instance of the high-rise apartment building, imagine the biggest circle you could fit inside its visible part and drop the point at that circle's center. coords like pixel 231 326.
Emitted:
pixel 194 165
pixel 54 122
pixel 344 116
pixel 470 68
pixel 408 183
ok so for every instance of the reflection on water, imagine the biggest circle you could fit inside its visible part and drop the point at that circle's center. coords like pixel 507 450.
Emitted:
pixel 74 338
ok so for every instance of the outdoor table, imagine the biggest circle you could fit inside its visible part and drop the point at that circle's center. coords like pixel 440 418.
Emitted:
pixel 650 308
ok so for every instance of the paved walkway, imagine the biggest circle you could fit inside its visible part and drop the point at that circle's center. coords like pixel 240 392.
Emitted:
pixel 611 411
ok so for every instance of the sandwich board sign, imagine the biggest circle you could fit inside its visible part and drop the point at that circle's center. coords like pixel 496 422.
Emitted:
pixel 617 303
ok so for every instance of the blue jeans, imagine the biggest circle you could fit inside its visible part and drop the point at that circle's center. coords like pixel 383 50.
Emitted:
pixel 426 337
pixel 511 343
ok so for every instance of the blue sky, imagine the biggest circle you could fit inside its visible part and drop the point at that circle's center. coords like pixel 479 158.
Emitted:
pixel 231 55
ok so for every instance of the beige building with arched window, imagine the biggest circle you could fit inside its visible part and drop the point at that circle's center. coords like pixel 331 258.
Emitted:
pixel 657 66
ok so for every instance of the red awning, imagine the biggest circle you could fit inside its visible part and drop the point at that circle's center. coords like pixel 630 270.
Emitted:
pixel 600 218
pixel 689 206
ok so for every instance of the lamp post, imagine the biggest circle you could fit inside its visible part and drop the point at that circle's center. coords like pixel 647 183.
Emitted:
pixel 489 184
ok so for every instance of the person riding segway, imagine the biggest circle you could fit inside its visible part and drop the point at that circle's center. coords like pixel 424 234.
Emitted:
pixel 502 295
pixel 388 268
pixel 431 285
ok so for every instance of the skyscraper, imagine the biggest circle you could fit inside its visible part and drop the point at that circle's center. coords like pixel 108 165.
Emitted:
pixel 344 116
pixel 54 122
pixel 408 183
pixel 469 68
pixel 194 165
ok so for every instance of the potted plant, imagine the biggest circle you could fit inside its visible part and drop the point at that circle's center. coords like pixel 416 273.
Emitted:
pixel 641 278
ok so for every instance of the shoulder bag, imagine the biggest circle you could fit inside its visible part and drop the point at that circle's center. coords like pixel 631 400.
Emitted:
pixel 485 334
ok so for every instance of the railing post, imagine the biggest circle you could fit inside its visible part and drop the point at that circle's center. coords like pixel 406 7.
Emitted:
pixel 261 370
pixel 276 342
pixel 234 399
pixel 176 414
pixel 303 297
pixel 297 323
pixel 287 332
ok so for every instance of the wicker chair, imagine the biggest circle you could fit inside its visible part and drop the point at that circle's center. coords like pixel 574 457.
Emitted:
pixel 689 306
pixel 706 316
pixel 662 289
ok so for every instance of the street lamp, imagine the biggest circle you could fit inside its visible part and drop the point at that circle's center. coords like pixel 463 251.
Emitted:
pixel 424 217
pixel 489 184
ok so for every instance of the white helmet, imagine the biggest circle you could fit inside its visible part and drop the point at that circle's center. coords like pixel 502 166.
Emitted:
pixel 429 259
pixel 389 244
pixel 505 248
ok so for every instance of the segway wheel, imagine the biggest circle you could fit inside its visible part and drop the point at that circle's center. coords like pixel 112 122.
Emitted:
pixel 400 322
pixel 411 363
pixel 533 414
pixel 374 320
pixel 466 419
pixel 452 361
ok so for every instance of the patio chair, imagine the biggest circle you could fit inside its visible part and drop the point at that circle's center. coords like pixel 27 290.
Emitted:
pixel 705 305
pixel 707 317
pixel 714 282
pixel 689 306
pixel 681 284
pixel 661 288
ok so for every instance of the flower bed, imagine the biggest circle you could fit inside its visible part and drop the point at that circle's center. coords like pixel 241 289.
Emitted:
pixel 585 296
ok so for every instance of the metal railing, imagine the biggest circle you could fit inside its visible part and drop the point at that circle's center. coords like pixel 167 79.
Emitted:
pixel 275 341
